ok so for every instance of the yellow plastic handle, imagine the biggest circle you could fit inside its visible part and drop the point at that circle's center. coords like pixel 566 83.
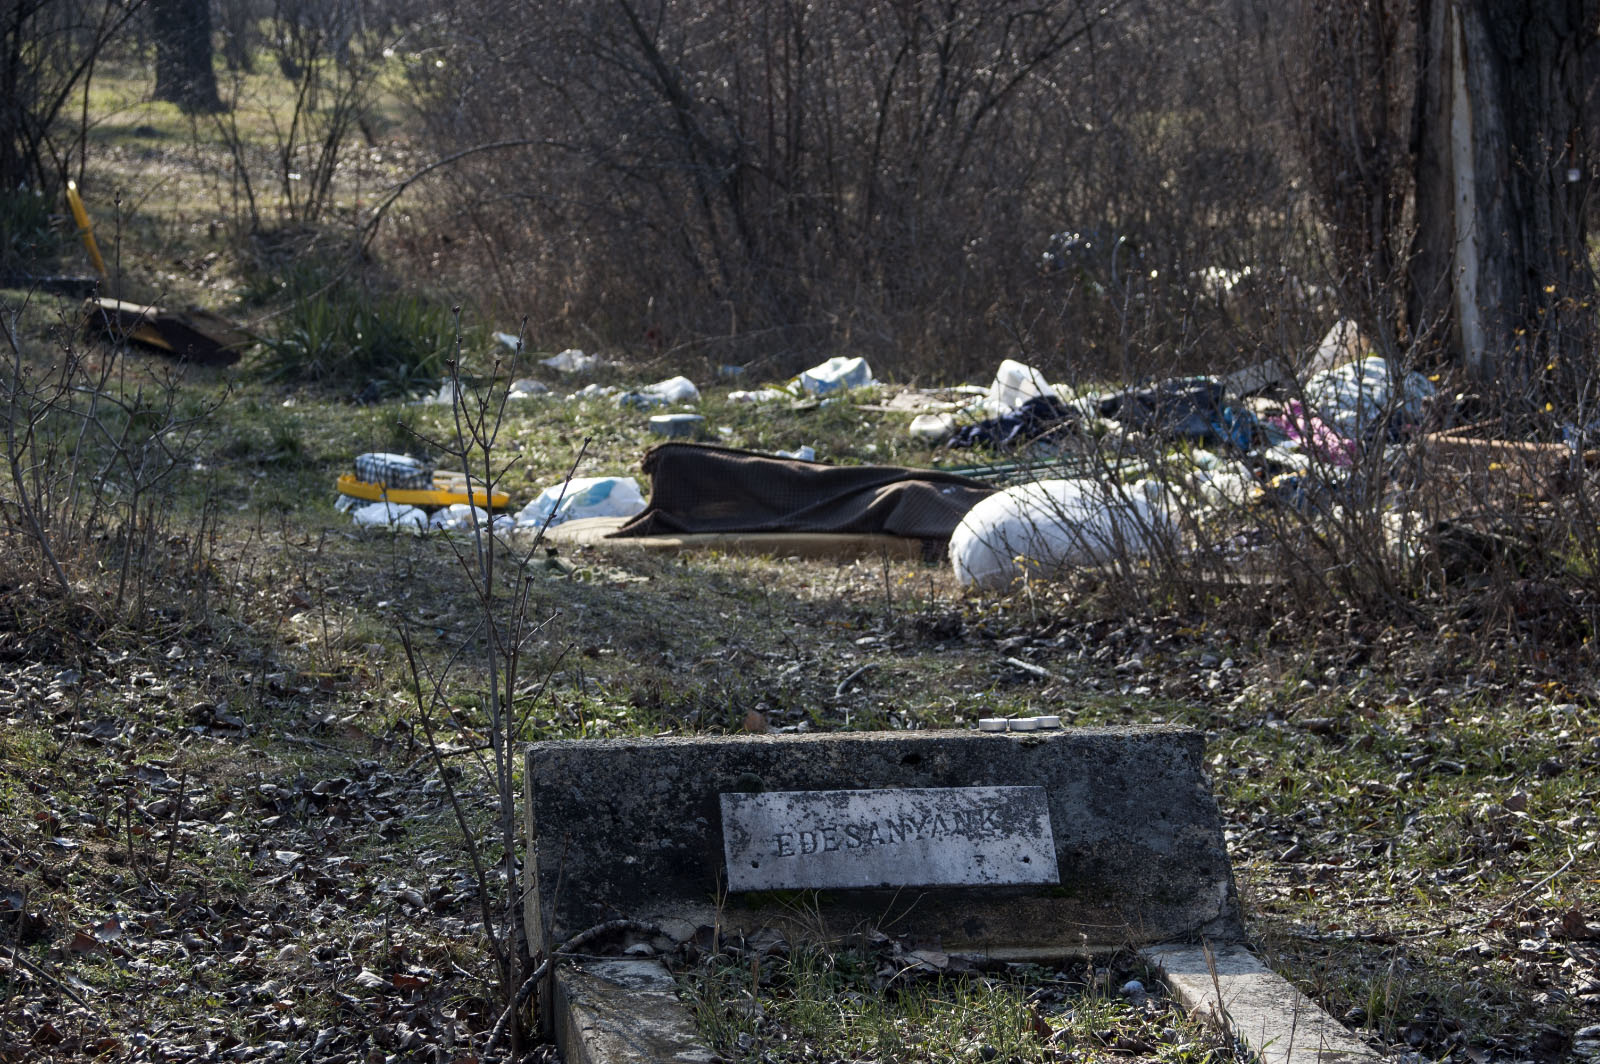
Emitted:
pixel 85 230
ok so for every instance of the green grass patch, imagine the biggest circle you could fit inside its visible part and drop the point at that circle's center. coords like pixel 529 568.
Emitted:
pixel 810 1004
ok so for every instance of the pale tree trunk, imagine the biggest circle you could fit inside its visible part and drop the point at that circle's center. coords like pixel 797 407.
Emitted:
pixel 1500 275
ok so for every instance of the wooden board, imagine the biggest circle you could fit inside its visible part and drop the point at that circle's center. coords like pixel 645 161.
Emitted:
pixel 592 532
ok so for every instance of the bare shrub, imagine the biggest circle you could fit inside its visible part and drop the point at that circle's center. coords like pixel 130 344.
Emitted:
pixel 48 50
pixel 332 56
pixel 91 494
pixel 776 180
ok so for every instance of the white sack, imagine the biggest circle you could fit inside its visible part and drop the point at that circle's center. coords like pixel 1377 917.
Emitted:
pixel 389 515
pixel 1041 529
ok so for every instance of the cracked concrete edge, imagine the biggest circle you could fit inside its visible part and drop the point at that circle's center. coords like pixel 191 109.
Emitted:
pixel 623 1011
pixel 1275 1021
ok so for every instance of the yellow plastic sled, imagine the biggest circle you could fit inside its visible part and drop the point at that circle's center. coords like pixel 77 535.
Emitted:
pixel 448 489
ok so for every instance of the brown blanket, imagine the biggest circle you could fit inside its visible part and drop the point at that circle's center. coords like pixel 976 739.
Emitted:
pixel 695 488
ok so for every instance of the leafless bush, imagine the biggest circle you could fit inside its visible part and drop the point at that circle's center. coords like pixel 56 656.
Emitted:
pixel 332 59
pixel 48 50
pixel 90 495
pixel 512 625
pixel 779 179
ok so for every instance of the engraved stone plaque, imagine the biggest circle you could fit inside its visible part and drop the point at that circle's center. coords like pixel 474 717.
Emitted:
pixel 915 837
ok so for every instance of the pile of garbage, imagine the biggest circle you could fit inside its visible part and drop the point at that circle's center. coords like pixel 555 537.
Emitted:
pixel 400 492
pixel 1112 474
pixel 1181 449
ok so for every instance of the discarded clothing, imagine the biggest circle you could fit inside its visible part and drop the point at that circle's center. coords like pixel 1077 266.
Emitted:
pixel 1316 436
pixel 1185 408
pixel 394 470
pixel 698 488
pixel 1028 421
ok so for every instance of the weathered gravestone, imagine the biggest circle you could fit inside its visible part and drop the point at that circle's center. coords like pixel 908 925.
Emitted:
pixel 1031 846
pixel 1117 825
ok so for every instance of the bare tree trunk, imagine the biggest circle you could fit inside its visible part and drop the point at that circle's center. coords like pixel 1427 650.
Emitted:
pixel 184 74
pixel 239 37
pixel 1499 271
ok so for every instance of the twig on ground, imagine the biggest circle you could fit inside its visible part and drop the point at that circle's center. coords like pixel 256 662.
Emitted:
pixel 1037 670
pixel 177 813
pixel 844 684
pixel 19 957
pixel 585 937
pixel 1508 906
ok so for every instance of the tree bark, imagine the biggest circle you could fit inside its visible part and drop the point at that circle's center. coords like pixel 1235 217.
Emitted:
pixel 1499 271
pixel 184 72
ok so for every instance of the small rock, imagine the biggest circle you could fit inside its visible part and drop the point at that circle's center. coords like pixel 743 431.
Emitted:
pixel 678 930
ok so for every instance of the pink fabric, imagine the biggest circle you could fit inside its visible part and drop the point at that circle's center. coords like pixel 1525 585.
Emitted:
pixel 1317 436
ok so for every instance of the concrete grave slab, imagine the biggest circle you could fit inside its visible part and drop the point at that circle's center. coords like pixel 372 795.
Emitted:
pixel 634 829
pixel 617 1011
pixel 1235 990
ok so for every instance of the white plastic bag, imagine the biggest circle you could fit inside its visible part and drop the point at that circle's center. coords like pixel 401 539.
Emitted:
pixel 1342 343
pixel 662 393
pixel 389 515
pixel 837 374
pixel 1356 397
pixel 1014 384
pixel 571 361
pixel 458 517
pixel 583 497
pixel 760 395
pixel 1044 528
